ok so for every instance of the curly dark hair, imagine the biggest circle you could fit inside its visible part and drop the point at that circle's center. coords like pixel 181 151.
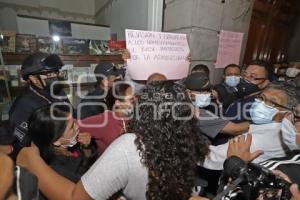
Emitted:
pixel 168 144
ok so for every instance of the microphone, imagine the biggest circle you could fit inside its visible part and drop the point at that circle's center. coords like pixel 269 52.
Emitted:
pixel 253 175
pixel 234 168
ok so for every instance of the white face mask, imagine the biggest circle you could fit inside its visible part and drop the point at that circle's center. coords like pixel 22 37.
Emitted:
pixel 72 141
pixel 292 72
pixel 289 134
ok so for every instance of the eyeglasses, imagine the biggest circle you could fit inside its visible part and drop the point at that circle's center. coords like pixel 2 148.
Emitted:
pixel 271 103
pixel 251 76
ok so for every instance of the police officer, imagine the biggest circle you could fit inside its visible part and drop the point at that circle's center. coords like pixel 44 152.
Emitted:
pixel 41 72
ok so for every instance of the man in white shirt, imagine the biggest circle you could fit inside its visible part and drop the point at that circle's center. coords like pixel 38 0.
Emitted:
pixel 267 112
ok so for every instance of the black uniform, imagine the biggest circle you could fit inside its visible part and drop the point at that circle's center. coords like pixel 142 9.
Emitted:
pixel 227 95
pixel 21 110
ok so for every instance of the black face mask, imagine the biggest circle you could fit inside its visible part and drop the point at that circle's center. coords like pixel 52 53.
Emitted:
pixel 56 88
pixel 246 88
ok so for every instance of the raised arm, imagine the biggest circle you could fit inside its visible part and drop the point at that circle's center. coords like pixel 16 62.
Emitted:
pixel 53 186
pixel 235 129
pixel 106 177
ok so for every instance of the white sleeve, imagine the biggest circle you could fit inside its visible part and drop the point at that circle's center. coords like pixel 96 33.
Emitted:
pixel 109 174
pixel 216 157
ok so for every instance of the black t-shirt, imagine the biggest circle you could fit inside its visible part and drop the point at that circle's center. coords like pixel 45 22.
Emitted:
pixel 227 95
pixel 97 99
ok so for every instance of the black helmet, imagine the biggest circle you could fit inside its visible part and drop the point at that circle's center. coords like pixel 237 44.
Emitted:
pixel 40 63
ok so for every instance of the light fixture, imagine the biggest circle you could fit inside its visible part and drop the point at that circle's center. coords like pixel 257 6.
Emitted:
pixel 1 40
pixel 56 38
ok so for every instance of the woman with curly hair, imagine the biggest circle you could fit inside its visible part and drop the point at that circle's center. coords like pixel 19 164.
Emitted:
pixel 155 161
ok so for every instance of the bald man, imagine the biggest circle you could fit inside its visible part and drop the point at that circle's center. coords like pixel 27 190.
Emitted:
pixel 156 77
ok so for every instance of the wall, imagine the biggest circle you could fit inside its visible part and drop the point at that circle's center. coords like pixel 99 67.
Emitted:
pixel 104 16
pixel 202 20
pixel 119 14
pixel 71 10
pixel 103 11
pixel 131 14
pixel 40 28
pixel 8 19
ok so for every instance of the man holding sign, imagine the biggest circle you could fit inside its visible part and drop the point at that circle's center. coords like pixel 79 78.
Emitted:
pixel 157 52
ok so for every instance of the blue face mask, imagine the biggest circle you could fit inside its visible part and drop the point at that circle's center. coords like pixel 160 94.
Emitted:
pixel 202 100
pixel 232 81
pixel 289 134
pixel 261 113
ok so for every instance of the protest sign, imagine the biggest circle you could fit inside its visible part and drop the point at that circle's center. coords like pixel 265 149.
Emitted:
pixel 157 52
pixel 229 51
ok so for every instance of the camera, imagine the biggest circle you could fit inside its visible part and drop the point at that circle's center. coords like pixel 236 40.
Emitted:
pixel 251 182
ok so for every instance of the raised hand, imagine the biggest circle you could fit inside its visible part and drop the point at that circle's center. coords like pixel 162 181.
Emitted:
pixel 240 146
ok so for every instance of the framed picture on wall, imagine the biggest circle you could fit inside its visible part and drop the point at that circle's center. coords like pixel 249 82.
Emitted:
pixel 47 45
pixel 25 43
pixel 61 28
pixel 75 46
pixel 98 47
pixel 8 43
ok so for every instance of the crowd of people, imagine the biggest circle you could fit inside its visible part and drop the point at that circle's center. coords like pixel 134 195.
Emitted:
pixel 156 139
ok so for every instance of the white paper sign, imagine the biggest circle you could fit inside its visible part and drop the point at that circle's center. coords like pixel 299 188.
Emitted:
pixel 230 45
pixel 157 52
